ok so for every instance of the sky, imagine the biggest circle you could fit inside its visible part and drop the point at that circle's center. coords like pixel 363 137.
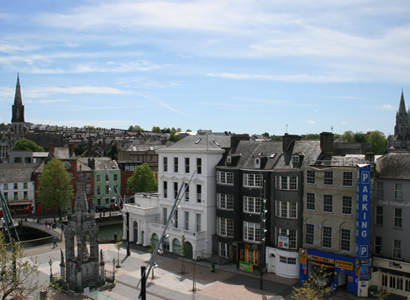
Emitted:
pixel 244 66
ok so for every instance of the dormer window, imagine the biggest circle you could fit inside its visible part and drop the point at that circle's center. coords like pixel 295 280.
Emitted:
pixel 295 158
pixel 229 160
pixel 257 162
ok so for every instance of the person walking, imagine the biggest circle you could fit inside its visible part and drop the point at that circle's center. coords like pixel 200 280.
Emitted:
pixel 54 242
pixel 115 237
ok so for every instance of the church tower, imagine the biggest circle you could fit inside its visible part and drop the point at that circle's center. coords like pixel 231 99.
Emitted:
pixel 17 121
pixel 402 120
pixel 81 240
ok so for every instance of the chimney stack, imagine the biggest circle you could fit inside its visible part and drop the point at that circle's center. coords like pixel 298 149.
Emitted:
pixel 287 140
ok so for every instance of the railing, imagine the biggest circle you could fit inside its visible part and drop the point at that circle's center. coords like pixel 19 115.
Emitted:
pixel 36 242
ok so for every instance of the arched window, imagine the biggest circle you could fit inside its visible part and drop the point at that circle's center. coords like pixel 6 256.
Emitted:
pixel 155 238
pixel 165 244
pixel 176 246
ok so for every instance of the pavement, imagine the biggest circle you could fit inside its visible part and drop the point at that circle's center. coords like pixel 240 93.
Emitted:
pixel 227 282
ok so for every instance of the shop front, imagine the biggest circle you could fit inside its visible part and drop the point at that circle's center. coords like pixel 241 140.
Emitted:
pixel 249 257
pixel 340 268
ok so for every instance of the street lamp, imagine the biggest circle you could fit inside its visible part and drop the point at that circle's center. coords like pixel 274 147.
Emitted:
pixel 194 281
pixel 51 269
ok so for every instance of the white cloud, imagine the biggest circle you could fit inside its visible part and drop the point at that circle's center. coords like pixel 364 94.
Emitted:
pixel 161 102
pixel 289 78
pixel 387 106
pixel 343 123
pixel 316 110
pixel 43 92
pixel 311 121
pixel 51 101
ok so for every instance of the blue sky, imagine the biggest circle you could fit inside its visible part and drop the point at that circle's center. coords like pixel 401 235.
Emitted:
pixel 245 66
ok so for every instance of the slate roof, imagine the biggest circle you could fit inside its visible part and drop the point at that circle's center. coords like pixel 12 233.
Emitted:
pixel 99 163
pixel 63 153
pixel 18 172
pixel 394 165
pixel 199 143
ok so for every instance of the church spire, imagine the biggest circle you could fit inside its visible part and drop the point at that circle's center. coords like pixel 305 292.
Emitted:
pixel 402 107
pixel 18 107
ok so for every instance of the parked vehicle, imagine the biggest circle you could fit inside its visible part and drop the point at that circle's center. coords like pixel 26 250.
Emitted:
pixel 99 208
pixel 115 207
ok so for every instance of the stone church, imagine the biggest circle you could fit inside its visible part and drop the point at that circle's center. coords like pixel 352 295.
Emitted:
pixel 400 141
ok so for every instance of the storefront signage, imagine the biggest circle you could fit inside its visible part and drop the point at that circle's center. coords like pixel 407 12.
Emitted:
pixel 321 258
pixel 247 267
pixel 363 211
pixel 364 272
pixel 344 265
pixel 394 203
pixel 283 241
pixel 302 256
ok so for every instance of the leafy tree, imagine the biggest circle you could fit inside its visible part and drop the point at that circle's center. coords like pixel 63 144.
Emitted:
pixel 349 136
pixel 188 130
pixel 166 130
pixel 135 128
pixel 266 134
pixel 311 136
pixel 131 128
pixel 381 295
pixel 89 127
pixel 113 152
pixel 174 137
pixel 19 277
pixel 151 251
pixel 309 290
pixel 118 244
pixel 2 124
pixel 277 138
pixel 377 141
pixel 183 251
pixel 27 145
pixel 143 180
pixel 156 129
pixel 360 137
pixel 54 188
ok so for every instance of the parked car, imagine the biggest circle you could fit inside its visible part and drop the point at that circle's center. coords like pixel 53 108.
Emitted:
pixel 325 279
pixel 115 207
pixel 99 208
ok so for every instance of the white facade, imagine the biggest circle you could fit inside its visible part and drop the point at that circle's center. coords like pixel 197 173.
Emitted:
pixel 18 194
pixel 282 263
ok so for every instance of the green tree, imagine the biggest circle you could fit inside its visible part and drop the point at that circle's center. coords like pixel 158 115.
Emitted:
pixel 310 290
pixel 18 276
pixel 166 130
pixel 360 137
pixel 143 180
pixel 156 129
pixel 89 127
pixel 183 251
pixel 266 134
pixel 188 130
pixel 118 244
pixel 113 152
pixel 381 295
pixel 349 136
pixel 27 145
pixel 174 136
pixel 54 188
pixel 277 138
pixel 377 141
pixel 151 251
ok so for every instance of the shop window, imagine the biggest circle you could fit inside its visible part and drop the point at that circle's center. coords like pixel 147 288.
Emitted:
pixel 251 256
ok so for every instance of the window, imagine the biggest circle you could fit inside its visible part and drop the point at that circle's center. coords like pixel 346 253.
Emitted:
pixel 252 256
pixel 396 248
pixel 398 217
pixel 165 164
pixel 345 240
pixel 6 186
pixel 287 260
pixel 164 215
pixel 98 190
pixel 176 164
pixel 165 244
pixel 198 223
pixel 328 178
pixel 88 189
pixel 98 178
pixel 252 205
pixel 347 178
pixel 99 201
pixel 151 158
pixel 379 190
pixel 286 183
pixel 295 158
pixel 16 196
pixel 310 201
pixel 88 176
pixel 287 210
pixel 398 191
pixel 378 241
pixel 225 227
pixel 115 177
pixel 310 234
pixel 186 192
pixel 224 201
pixel 379 215
pixel 25 185
pixel 252 180
pixel 186 164
pixel 251 232
pixel 176 218
pixel 328 203
pixel 165 187
pixel 327 237
pixel 107 189
pixel 223 250
pixel 107 179
pixel 6 196
pixel 186 223
pixel 198 193
pixel 310 177
pixel 175 190
pixel 290 233
pixel 199 165
pixel 347 205
pixel 25 194
pixel 224 177
pixel 15 186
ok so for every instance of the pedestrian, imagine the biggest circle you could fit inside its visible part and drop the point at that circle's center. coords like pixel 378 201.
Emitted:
pixel 115 237
pixel 46 223
pixel 54 242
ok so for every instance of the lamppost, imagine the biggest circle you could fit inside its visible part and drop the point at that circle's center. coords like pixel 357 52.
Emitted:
pixel 263 230
pixel 113 268
pixel 51 270
pixel 194 280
